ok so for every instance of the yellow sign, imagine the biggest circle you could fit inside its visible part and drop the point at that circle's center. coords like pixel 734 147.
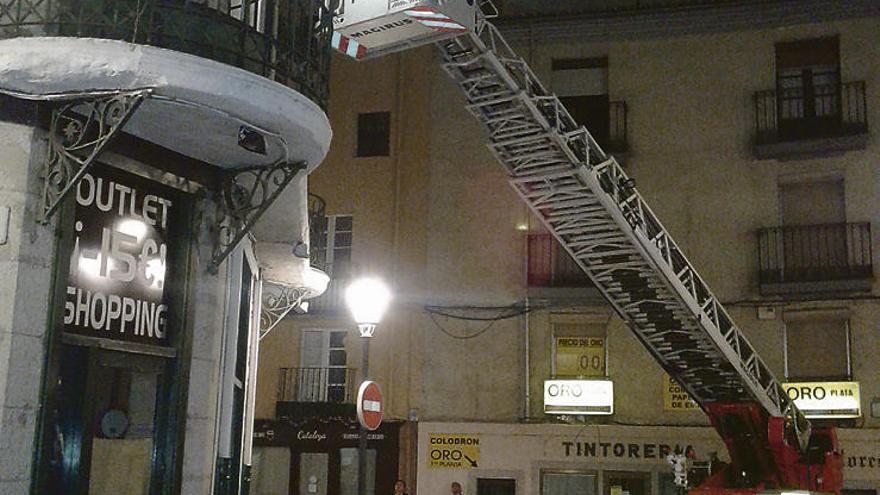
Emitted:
pixel 453 450
pixel 826 399
pixel 675 398
pixel 580 356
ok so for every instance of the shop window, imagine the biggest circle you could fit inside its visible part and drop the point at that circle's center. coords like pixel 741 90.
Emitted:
pixel 271 470
pixel 568 484
pixel 579 350
pixel 374 134
pixel 817 347
pixel 496 486
pixel 348 472
pixel 627 483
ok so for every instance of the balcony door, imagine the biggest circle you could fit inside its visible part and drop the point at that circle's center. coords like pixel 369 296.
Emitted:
pixel 323 362
pixel 808 88
pixel 814 240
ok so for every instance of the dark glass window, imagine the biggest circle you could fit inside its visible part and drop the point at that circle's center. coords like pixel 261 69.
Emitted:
pixel 374 134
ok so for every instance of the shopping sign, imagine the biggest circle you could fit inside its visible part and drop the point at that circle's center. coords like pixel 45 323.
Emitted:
pixel 675 397
pixel 593 397
pixel 826 399
pixel 369 405
pixel 117 285
pixel 453 450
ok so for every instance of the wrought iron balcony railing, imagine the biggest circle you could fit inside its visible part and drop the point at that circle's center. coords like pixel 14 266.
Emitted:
pixel 815 254
pixel 329 384
pixel 550 266
pixel 283 40
pixel 823 111
pixel 317 232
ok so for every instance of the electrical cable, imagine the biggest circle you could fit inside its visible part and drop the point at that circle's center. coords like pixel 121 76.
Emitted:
pixel 460 337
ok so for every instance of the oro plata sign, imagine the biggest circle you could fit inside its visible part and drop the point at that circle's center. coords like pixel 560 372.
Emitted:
pixel 579 397
pixel 826 399
pixel 116 285
pixel 453 451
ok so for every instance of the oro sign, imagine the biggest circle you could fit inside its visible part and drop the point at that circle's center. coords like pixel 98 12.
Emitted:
pixel 369 405
pixel 453 450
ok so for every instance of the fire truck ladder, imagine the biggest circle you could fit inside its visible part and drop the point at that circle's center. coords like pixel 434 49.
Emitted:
pixel 585 199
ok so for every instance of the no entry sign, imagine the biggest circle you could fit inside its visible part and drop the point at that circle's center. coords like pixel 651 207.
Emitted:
pixel 369 405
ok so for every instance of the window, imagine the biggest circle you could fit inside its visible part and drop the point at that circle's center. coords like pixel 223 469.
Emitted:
pixel 579 350
pixel 582 86
pixel 339 236
pixel 817 346
pixel 324 361
pixel 808 86
pixel 814 234
pixel 374 134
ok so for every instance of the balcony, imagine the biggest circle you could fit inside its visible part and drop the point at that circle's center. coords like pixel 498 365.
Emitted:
pixel 316 391
pixel 553 274
pixel 815 258
pixel 826 120
pixel 276 39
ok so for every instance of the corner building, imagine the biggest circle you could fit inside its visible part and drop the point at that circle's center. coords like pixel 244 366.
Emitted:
pixel 153 225
pixel 747 128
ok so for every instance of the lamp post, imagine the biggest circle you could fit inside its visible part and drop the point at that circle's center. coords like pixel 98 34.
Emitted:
pixel 367 299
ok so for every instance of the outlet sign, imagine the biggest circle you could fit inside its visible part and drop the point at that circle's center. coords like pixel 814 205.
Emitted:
pixel 587 397
pixel 118 283
pixel 835 400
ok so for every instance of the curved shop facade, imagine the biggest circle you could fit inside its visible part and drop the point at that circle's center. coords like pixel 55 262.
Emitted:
pixel 153 225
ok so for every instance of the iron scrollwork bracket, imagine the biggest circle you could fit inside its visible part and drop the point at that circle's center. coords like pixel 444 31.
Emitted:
pixel 244 196
pixel 79 131
pixel 277 302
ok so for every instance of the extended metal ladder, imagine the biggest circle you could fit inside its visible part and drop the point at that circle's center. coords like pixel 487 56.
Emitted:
pixel 585 199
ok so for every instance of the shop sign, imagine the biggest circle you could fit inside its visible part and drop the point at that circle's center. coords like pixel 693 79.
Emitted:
pixel 826 399
pixel 580 356
pixel 579 397
pixel 625 450
pixel 116 286
pixel 675 397
pixel 453 451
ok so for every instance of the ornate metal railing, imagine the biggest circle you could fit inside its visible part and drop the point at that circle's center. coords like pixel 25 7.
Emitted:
pixel 551 266
pixel 317 232
pixel 829 110
pixel 815 253
pixel 326 384
pixel 284 40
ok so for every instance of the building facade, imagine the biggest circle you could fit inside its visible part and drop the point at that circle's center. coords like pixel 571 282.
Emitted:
pixel 153 225
pixel 746 128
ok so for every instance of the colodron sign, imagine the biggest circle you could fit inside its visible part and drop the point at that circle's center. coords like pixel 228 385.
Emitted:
pixel 116 286
pixel 369 405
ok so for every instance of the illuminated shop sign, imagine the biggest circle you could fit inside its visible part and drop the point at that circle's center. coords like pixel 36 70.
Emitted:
pixel 826 399
pixel 578 397
pixel 116 285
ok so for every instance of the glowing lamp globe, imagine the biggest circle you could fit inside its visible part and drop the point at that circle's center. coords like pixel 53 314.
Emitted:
pixel 367 300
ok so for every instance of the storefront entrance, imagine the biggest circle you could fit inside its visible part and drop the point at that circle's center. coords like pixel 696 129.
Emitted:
pixel 113 383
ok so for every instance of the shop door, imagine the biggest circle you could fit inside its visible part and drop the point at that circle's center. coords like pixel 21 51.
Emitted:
pixel 107 431
pixel 626 483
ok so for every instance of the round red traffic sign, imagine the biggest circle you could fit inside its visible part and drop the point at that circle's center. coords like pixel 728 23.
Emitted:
pixel 369 405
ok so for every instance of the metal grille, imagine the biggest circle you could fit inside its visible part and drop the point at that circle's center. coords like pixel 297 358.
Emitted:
pixel 330 384
pixel 585 199
pixel 283 40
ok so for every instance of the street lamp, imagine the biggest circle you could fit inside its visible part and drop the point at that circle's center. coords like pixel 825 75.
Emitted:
pixel 367 299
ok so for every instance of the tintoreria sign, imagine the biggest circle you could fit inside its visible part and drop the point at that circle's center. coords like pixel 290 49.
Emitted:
pixel 116 285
